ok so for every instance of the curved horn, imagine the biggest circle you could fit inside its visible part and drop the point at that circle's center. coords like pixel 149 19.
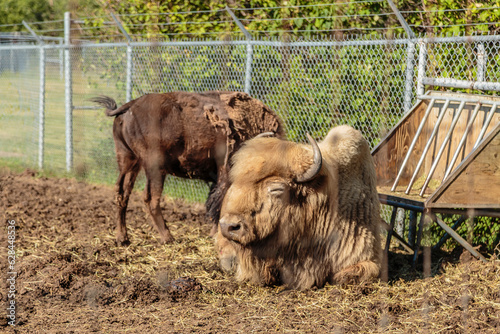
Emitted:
pixel 265 134
pixel 314 169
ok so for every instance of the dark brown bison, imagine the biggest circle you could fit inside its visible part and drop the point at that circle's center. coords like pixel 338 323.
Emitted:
pixel 302 215
pixel 190 135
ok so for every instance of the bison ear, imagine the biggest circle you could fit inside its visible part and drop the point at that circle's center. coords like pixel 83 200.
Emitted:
pixel 276 189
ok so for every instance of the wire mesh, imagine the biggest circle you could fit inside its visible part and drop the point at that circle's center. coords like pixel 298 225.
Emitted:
pixel 19 93
pixel 465 60
pixel 315 88
pixel 188 68
pixel 313 84
pixel 95 71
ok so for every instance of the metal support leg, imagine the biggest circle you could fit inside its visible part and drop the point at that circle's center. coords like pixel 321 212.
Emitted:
pixel 419 240
pixel 446 236
pixel 402 242
pixel 385 259
pixel 391 229
pixel 399 238
pixel 459 239
pixel 412 228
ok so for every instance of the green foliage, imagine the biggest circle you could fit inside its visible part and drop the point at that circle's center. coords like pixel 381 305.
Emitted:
pixel 292 17
pixel 483 231
pixel 314 89
pixel 195 17
pixel 13 12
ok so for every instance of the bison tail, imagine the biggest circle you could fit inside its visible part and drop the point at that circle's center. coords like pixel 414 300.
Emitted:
pixel 110 105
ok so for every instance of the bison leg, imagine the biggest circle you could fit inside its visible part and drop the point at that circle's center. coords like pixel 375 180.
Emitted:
pixel 215 198
pixel 212 205
pixel 152 197
pixel 360 272
pixel 129 168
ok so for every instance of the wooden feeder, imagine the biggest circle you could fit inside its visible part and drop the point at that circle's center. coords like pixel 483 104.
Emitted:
pixel 442 157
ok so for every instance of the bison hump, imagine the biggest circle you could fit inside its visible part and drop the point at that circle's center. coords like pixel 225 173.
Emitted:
pixel 250 117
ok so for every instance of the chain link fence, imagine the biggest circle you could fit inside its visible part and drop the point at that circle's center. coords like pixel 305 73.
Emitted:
pixel 19 96
pixel 313 84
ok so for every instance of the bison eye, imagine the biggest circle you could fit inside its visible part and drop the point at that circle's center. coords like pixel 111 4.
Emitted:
pixel 255 211
pixel 276 189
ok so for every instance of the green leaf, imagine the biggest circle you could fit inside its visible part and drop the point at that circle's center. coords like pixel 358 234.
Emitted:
pixel 298 22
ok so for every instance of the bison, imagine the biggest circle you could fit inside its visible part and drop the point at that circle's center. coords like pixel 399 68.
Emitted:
pixel 190 135
pixel 302 215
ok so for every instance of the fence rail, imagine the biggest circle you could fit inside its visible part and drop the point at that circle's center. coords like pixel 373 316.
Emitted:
pixel 313 85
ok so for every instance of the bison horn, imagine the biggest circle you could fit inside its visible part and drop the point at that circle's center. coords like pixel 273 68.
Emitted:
pixel 314 169
pixel 265 134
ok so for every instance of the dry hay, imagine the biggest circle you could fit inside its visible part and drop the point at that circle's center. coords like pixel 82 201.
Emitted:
pixel 72 277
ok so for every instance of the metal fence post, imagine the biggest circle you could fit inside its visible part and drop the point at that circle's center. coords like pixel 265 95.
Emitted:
pixel 128 95
pixel 422 65
pixel 41 97
pixel 248 68
pixel 248 65
pixel 410 58
pixel 12 68
pixel 410 54
pixel 68 101
pixel 41 117
pixel 61 60
pixel 481 62
pixel 401 19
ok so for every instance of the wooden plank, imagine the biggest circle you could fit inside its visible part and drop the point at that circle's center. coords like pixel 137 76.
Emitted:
pixel 476 181
pixel 391 151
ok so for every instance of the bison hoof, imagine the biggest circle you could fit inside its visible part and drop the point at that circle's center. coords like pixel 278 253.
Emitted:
pixel 167 240
pixel 123 243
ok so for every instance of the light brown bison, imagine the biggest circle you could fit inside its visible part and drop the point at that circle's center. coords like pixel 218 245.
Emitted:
pixel 302 215
pixel 190 135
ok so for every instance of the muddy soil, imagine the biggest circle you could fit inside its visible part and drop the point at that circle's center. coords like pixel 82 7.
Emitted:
pixel 72 278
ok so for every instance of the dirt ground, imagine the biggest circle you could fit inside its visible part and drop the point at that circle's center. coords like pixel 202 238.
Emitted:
pixel 71 278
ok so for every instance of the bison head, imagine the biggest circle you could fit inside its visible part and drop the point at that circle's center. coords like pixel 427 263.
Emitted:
pixel 264 186
pixel 296 217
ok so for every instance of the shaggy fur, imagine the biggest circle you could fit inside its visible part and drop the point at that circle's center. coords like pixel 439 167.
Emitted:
pixel 190 135
pixel 302 234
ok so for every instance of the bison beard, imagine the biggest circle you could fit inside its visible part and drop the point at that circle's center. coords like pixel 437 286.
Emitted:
pixel 190 135
pixel 279 227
